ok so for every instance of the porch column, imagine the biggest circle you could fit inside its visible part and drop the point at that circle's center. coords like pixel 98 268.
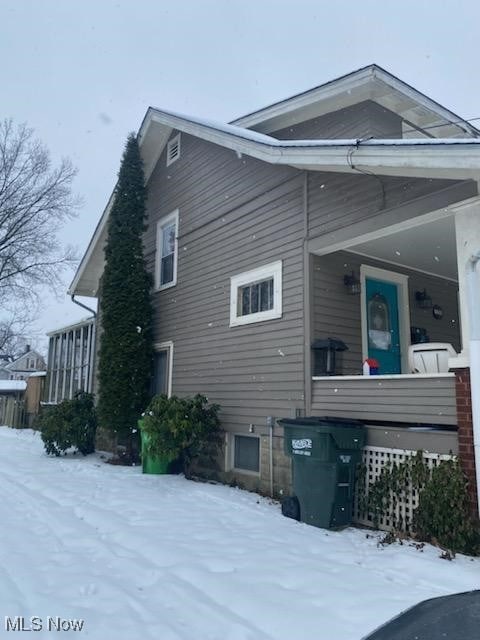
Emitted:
pixel 467 230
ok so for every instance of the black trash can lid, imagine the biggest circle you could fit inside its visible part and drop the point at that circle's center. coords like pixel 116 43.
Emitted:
pixel 329 343
pixel 321 421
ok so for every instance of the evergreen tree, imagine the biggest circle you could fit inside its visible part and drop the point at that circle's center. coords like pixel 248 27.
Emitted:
pixel 126 342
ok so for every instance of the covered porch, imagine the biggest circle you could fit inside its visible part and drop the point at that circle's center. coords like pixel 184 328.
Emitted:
pixel 379 294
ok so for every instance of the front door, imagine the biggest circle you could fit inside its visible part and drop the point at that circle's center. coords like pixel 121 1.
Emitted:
pixel 383 331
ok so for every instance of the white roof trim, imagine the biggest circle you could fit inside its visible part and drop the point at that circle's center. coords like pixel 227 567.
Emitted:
pixel 315 152
pixel 371 78
pixel 446 158
pixel 84 322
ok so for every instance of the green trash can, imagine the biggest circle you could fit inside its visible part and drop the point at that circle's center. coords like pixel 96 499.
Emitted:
pixel 325 453
pixel 152 464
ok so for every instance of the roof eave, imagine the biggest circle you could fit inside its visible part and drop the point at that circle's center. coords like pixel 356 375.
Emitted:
pixel 460 160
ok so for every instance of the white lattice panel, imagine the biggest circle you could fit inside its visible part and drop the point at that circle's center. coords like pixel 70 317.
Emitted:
pixel 375 458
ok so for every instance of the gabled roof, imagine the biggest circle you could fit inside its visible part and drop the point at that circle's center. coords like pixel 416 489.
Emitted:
pixel 457 155
pixel 368 83
pixel 11 365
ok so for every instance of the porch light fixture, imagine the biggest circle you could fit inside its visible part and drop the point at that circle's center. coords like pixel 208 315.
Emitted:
pixel 424 301
pixel 352 283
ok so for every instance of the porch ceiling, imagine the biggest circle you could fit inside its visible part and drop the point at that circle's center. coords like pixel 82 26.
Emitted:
pixel 430 248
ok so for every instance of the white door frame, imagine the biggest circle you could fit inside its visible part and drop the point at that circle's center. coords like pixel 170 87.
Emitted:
pixel 401 280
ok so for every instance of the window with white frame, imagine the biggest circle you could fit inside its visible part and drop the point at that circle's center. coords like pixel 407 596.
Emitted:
pixel 167 252
pixel 256 295
pixel 173 150
pixel 162 369
pixel 246 453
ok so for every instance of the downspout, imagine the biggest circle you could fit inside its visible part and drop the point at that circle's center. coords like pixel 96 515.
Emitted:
pixel 91 367
pixel 84 306
pixel 271 455
pixel 473 292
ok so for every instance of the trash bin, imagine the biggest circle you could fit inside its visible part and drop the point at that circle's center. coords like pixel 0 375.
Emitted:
pixel 152 464
pixel 325 452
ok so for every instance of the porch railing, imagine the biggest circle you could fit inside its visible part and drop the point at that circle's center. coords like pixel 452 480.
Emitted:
pixel 410 398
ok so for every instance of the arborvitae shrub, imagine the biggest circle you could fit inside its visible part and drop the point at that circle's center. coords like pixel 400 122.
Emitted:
pixel 126 341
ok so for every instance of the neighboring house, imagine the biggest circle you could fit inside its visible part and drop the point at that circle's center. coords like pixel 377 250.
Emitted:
pixel 349 211
pixel 23 366
pixel 12 410
pixel 71 352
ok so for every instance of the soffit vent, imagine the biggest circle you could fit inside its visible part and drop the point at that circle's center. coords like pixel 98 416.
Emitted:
pixel 173 150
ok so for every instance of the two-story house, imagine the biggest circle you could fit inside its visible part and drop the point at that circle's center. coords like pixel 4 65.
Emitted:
pixel 350 212
pixel 22 367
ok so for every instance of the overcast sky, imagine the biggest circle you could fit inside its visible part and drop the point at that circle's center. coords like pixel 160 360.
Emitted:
pixel 83 72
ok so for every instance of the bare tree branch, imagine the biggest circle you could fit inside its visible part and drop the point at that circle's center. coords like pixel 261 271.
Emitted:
pixel 35 201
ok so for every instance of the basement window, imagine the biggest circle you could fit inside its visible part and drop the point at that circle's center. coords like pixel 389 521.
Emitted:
pixel 246 453
pixel 256 295
pixel 173 150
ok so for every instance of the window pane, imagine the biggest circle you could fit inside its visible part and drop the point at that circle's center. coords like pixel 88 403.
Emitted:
pixel 257 297
pixel 168 239
pixel 160 372
pixel 245 293
pixel 167 269
pixel 264 295
pixel 254 298
pixel 247 453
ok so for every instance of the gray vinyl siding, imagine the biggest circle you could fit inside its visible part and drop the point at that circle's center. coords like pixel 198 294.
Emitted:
pixel 236 214
pixel 404 399
pixel 364 120
pixel 336 313
pixel 337 202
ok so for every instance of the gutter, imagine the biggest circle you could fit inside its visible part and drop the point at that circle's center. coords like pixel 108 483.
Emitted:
pixel 431 158
pixel 473 293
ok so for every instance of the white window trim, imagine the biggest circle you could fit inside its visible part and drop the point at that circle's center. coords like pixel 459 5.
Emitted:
pixel 230 453
pixel 175 140
pixel 274 269
pixel 167 346
pixel 172 217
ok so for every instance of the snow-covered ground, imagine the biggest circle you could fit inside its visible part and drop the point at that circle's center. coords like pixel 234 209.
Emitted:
pixel 159 557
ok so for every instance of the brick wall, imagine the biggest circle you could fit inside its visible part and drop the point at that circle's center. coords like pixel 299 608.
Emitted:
pixel 465 431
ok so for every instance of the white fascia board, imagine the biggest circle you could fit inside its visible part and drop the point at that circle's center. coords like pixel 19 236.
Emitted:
pixel 429 158
pixel 92 248
pixel 429 153
pixel 348 85
pixel 70 327
pixel 422 99
pixel 325 92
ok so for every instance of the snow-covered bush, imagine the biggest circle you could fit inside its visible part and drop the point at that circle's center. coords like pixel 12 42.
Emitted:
pixel 72 423
pixel 182 428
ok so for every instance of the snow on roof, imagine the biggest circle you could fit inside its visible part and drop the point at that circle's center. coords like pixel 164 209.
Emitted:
pixel 261 138
pixel 371 82
pixel 68 327
pixel 240 132
pixel 12 385
pixel 38 374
